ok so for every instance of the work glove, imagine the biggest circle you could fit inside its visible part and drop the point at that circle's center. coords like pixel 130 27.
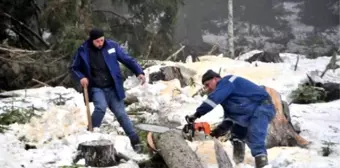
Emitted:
pixel 191 118
pixel 222 129
pixel 217 132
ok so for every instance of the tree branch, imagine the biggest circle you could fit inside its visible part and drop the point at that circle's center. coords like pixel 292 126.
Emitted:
pixel 175 53
pixel 24 38
pixel 27 28
pixel 16 50
pixel 114 13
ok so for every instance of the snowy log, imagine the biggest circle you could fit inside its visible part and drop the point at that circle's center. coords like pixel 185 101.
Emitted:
pixel 97 153
pixel 222 157
pixel 265 57
pixel 281 131
pixel 166 74
pixel 175 151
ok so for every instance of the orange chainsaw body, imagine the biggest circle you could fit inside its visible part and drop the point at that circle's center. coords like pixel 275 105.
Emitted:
pixel 202 126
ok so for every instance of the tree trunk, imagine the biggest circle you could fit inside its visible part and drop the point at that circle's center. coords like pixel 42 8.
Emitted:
pixel 175 151
pixel 230 29
pixel 97 153
pixel 222 157
pixel 281 132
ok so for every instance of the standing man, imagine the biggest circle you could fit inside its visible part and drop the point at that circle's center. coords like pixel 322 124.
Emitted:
pixel 96 66
pixel 246 104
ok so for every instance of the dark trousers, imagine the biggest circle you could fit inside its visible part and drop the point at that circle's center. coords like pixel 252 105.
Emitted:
pixel 106 97
pixel 255 134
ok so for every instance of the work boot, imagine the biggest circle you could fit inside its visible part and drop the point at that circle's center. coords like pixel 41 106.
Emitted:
pixel 261 161
pixel 136 144
pixel 138 148
pixel 238 150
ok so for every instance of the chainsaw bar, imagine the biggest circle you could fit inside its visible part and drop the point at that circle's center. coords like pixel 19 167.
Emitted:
pixel 155 128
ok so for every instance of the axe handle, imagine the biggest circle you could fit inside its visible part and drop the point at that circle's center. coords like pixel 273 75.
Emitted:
pixel 88 109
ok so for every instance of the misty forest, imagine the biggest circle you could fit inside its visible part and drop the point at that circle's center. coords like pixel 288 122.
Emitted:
pixel 39 37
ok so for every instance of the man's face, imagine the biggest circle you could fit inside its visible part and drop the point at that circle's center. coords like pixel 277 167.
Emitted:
pixel 99 42
pixel 210 85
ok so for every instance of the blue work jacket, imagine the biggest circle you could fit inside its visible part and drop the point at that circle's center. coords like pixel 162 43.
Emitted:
pixel 112 53
pixel 238 96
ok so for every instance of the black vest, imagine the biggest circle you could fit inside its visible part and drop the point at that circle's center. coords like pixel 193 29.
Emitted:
pixel 101 76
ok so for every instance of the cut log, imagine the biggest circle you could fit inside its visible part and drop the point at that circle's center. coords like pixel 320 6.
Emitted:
pixel 97 153
pixel 265 57
pixel 222 157
pixel 175 151
pixel 166 74
pixel 280 131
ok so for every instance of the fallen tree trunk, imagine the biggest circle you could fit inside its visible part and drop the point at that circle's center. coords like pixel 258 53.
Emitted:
pixel 175 151
pixel 281 131
pixel 166 74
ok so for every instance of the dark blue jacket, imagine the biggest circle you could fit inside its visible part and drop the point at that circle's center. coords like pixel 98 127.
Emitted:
pixel 112 53
pixel 238 96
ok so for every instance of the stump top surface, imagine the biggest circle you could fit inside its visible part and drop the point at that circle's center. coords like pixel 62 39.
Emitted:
pixel 102 142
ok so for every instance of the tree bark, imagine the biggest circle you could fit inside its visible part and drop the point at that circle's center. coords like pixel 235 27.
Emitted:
pixel 168 73
pixel 230 29
pixel 97 153
pixel 175 151
pixel 222 157
pixel 280 131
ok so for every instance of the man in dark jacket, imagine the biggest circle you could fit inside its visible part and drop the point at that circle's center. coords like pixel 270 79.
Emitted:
pixel 245 104
pixel 96 66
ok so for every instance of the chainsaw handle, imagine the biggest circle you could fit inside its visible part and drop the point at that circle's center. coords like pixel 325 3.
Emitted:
pixel 190 124
pixel 187 119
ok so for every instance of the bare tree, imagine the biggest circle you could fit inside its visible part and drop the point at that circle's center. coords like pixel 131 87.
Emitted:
pixel 230 29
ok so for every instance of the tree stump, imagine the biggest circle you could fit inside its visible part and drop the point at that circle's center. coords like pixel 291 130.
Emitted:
pixel 175 151
pixel 280 131
pixel 97 153
pixel 168 73
pixel 265 57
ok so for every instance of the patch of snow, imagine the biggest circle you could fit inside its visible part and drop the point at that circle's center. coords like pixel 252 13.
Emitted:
pixel 62 127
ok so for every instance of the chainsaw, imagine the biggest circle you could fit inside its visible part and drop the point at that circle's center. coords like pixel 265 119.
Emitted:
pixel 190 131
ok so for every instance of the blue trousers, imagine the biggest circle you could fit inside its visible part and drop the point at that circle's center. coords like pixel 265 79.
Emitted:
pixel 256 133
pixel 106 97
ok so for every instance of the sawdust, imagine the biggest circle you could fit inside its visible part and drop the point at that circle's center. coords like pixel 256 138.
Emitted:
pixel 205 150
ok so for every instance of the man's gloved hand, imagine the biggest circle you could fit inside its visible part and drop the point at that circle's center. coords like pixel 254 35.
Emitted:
pixel 217 132
pixel 191 118
pixel 222 129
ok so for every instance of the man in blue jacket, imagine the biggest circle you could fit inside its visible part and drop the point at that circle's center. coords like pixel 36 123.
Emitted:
pixel 96 66
pixel 245 104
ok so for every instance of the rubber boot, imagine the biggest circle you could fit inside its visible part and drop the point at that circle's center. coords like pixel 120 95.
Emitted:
pixel 261 161
pixel 238 150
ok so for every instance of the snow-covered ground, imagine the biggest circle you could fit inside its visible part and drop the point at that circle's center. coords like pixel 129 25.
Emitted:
pixel 61 128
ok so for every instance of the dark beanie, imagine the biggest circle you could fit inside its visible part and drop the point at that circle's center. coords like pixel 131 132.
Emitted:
pixel 209 75
pixel 96 33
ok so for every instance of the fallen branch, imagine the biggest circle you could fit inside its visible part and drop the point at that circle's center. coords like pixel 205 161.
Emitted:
pixel 297 62
pixel 58 59
pixel 331 65
pixel 25 38
pixel 213 48
pixel 200 92
pixel 43 83
pixel 27 28
pixel 53 79
pixel 16 50
pixel 175 53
